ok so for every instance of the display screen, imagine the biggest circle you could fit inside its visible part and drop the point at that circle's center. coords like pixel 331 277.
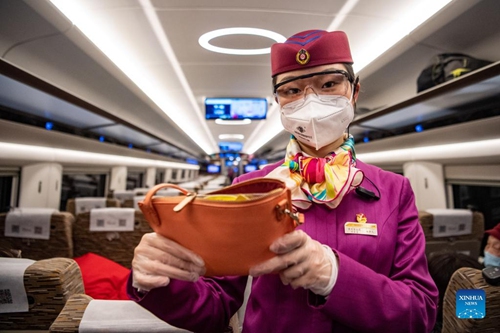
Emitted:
pixel 235 108
pixel 250 167
pixel 229 155
pixel 234 147
pixel 213 168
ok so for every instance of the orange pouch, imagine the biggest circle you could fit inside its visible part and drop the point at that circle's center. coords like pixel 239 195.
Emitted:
pixel 231 228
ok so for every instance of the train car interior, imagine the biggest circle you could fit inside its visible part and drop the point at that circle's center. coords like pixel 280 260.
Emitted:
pixel 102 100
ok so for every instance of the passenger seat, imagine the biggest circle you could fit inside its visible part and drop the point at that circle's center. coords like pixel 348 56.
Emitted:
pixel 471 278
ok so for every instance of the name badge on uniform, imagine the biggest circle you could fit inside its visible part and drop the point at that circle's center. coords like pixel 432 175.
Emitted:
pixel 361 227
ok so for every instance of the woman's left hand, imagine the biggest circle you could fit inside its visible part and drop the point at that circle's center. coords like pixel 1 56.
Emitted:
pixel 301 262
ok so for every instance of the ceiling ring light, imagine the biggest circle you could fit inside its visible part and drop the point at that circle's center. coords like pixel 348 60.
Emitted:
pixel 205 39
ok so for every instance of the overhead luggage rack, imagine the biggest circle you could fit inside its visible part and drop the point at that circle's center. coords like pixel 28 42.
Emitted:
pixel 473 96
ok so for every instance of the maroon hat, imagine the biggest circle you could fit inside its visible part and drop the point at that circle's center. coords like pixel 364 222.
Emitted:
pixel 308 49
pixel 495 232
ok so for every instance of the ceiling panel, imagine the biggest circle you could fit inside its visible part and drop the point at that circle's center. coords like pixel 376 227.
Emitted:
pixel 32 26
pixel 58 61
pixel 130 22
pixel 71 62
pixel 112 4
pixel 285 6
pixel 477 25
pixel 193 24
pixel 24 98
pixel 238 80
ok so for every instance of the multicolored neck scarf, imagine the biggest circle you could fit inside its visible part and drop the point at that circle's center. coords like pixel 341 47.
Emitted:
pixel 321 180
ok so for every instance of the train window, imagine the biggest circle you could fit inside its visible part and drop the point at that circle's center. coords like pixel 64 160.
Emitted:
pixel 76 185
pixel 7 199
pixel 480 197
pixel 160 176
pixel 174 175
pixel 5 193
pixel 134 179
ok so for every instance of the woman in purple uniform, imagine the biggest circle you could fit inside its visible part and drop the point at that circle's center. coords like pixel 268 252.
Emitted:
pixel 356 265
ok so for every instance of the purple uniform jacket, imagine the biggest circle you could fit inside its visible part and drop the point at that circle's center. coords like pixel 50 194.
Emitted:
pixel 383 284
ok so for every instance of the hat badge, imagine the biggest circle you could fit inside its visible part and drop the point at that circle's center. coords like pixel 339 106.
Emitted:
pixel 302 57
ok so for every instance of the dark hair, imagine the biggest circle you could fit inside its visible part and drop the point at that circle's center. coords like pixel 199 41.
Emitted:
pixel 442 265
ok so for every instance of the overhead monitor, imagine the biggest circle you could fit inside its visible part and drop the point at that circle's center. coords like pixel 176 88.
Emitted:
pixel 213 168
pixel 236 108
pixel 230 156
pixel 228 146
pixel 249 168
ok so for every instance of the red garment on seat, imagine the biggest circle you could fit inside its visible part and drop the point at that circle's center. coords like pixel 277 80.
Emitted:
pixel 102 277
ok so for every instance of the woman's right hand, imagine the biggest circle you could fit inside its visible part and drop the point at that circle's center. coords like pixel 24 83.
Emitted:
pixel 158 259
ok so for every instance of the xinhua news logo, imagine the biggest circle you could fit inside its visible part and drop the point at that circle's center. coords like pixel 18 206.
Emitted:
pixel 471 303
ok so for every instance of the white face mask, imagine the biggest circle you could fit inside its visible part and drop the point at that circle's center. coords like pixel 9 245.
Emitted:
pixel 491 259
pixel 317 120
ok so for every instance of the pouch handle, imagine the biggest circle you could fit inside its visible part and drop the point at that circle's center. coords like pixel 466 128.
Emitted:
pixel 147 206
pixel 254 185
pixel 282 209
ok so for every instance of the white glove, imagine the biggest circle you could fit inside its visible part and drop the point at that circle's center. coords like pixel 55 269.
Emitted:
pixel 158 259
pixel 301 262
